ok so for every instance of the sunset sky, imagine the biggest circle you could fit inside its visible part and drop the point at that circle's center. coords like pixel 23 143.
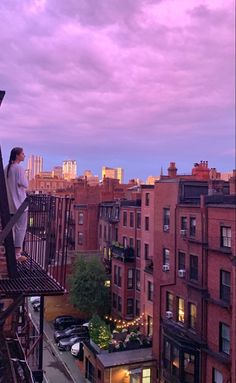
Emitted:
pixel 130 83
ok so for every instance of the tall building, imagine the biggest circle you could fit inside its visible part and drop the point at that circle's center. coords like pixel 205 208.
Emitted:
pixel 35 166
pixel 69 169
pixel 117 173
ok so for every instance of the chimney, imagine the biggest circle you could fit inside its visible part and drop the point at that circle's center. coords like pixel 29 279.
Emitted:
pixel 172 170
pixel 232 183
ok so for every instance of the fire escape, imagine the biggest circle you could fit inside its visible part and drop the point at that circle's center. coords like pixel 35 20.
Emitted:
pixel 43 274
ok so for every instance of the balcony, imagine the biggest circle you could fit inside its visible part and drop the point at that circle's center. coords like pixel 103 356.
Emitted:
pixel 45 245
pixel 125 254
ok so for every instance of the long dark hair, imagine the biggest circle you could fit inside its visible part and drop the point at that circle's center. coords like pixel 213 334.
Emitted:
pixel 14 152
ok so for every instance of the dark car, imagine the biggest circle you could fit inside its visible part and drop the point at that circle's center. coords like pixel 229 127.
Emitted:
pixel 65 344
pixel 72 330
pixel 64 321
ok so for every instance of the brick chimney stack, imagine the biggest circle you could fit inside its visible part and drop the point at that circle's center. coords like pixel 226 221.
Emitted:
pixel 172 170
pixel 232 183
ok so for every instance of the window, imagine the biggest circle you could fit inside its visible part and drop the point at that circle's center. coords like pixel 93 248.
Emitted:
pixel 116 234
pixel 138 220
pixel 181 260
pixel 192 316
pixel 115 275
pixel 146 375
pixel 138 248
pixel 147 199
pixel 217 377
pixel 105 233
pixel 225 285
pixel 171 358
pixel 149 325
pixel 80 238
pixel 81 218
pixel 146 251
pixel 150 291
pixel 119 305
pixel 130 306
pixel 169 301
pixel 224 338
pixel 138 280
pixel 189 368
pixel 180 310
pixel 166 257
pixel 125 218
pixel 100 231
pixel 119 276
pixel 194 267
pixel 137 307
pixel 166 219
pixel 225 236
pixel 192 226
pixel 130 283
pixel 114 300
pixel 147 223
pixel 131 242
pixel 131 219
pixel 183 223
pixel 125 241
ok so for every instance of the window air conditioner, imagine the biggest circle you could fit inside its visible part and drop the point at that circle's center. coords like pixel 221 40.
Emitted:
pixel 169 314
pixel 165 268
pixel 183 232
pixel 181 273
pixel 166 227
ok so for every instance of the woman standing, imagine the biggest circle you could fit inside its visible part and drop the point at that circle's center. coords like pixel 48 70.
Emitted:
pixel 17 184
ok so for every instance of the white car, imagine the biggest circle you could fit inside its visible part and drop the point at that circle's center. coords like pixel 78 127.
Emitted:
pixel 75 349
pixel 34 300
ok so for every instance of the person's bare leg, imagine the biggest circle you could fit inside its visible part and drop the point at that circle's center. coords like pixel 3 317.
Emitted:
pixel 19 256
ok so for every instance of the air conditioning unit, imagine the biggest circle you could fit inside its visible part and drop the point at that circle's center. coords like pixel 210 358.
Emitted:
pixel 169 314
pixel 165 268
pixel 166 227
pixel 183 232
pixel 181 273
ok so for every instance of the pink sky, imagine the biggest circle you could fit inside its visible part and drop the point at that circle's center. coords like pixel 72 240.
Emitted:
pixel 131 83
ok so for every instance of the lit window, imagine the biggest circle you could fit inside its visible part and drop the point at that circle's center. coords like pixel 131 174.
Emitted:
pixel 146 375
pixel 192 316
pixel 180 310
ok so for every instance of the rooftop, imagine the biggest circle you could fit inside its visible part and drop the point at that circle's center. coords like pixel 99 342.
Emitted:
pixel 125 357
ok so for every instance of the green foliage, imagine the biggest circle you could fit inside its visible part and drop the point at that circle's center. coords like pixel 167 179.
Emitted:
pixel 87 286
pixel 99 332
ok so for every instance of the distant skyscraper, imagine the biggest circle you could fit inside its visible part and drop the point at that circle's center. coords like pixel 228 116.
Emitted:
pixel 35 166
pixel 69 169
pixel 117 173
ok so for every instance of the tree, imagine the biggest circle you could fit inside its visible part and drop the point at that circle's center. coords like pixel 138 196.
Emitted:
pixel 99 332
pixel 87 286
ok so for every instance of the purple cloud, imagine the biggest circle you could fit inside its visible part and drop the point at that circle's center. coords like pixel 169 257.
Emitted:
pixel 122 82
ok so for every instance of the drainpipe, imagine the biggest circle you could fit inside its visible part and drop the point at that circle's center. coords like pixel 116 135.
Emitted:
pixel 166 285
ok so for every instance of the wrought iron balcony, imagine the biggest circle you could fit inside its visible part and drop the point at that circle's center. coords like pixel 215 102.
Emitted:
pixel 125 254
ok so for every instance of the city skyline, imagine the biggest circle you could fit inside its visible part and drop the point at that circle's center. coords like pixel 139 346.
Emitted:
pixel 124 84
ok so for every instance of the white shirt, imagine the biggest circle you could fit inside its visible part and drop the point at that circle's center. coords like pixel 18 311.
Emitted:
pixel 16 184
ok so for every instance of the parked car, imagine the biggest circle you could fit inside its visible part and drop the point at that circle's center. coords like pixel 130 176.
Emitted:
pixel 64 321
pixel 34 299
pixel 36 306
pixel 65 344
pixel 77 349
pixel 72 330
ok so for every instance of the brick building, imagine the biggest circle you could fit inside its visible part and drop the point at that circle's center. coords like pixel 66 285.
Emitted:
pixel 194 274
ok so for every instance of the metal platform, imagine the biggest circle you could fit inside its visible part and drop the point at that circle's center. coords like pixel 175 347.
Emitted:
pixel 30 280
